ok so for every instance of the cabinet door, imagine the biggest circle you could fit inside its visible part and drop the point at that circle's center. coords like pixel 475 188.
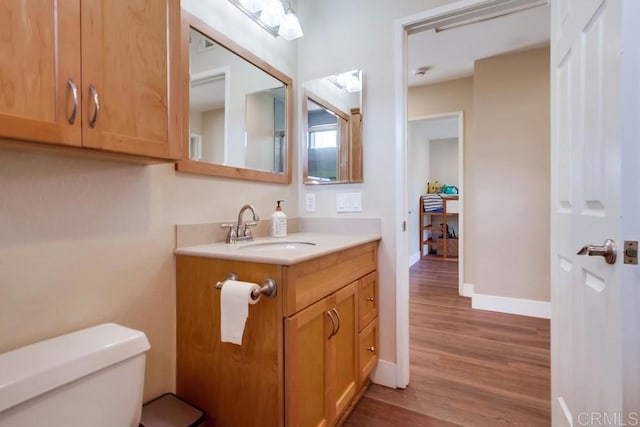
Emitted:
pixel 130 54
pixel 39 66
pixel 343 361
pixel 307 335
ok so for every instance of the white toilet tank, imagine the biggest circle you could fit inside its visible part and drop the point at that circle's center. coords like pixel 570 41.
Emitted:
pixel 93 377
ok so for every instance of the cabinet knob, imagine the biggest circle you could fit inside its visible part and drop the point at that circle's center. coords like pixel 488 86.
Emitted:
pixel 370 299
pixel 372 349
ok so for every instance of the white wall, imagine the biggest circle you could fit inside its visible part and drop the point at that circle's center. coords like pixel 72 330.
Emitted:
pixel 89 241
pixel 362 36
pixel 443 161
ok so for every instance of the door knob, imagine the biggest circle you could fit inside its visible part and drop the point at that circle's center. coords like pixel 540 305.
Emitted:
pixel 608 251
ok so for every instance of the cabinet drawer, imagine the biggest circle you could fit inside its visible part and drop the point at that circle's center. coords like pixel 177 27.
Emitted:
pixel 367 299
pixel 310 281
pixel 367 351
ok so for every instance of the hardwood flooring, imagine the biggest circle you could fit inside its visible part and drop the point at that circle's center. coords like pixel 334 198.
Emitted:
pixel 468 367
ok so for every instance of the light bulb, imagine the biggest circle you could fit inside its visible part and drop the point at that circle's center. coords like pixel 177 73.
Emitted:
pixel 253 6
pixel 272 13
pixel 290 27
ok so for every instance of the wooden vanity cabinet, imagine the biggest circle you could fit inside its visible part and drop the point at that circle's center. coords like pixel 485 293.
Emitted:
pixel 60 59
pixel 301 362
pixel 321 360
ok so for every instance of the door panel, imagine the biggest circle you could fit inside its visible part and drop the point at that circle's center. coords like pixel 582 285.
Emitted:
pixel 124 54
pixel 306 359
pixel 39 53
pixel 586 162
pixel 344 347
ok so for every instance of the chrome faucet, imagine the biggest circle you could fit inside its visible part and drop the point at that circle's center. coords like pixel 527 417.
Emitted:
pixel 241 231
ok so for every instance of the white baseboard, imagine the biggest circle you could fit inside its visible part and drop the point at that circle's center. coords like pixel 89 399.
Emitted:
pixel 414 258
pixel 385 374
pixel 467 290
pixel 523 307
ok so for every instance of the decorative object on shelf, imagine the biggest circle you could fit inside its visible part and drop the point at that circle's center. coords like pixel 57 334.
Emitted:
pixel 449 189
pixel 433 187
pixel 272 16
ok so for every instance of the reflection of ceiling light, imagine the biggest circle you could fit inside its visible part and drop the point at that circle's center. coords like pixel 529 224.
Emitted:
pixel 270 15
pixel 349 81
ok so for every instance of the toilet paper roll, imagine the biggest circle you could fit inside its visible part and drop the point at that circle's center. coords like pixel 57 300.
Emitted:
pixel 234 309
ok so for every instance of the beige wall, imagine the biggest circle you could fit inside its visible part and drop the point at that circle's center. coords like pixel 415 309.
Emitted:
pixel 90 241
pixel 509 166
pixel 448 97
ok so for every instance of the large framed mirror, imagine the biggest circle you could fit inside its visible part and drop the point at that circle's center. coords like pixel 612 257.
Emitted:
pixel 238 109
pixel 332 123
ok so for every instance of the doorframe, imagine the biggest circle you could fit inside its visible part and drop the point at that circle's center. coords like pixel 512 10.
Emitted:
pixel 401 28
pixel 460 116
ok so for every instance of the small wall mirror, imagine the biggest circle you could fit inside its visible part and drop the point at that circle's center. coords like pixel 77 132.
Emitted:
pixel 239 108
pixel 332 116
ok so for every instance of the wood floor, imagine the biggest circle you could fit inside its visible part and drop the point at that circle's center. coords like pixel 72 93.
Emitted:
pixel 468 367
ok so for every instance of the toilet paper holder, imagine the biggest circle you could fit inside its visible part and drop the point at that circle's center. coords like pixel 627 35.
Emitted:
pixel 268 288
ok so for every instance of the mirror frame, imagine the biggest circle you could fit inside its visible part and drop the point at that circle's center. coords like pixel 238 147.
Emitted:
pixel 187 165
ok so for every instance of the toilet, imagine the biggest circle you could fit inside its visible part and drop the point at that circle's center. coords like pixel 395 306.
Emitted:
pixel 93 377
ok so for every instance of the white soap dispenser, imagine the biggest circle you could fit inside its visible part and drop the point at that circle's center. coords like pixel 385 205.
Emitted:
pixel 279 222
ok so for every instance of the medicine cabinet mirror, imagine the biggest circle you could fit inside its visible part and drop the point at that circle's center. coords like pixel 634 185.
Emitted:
pixel 238 108
pixel 332 117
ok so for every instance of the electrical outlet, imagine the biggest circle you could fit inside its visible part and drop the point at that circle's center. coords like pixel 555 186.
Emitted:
pixel 310 202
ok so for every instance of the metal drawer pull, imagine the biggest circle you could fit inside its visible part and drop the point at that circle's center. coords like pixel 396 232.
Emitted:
pixel 371 349
pixel 333 324
pixel 96 103
pixel 74 93
pixel 339 320
pixel 370 299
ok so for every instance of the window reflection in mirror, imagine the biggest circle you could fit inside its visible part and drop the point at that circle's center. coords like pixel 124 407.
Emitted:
pixel 237 111
pixel 333 123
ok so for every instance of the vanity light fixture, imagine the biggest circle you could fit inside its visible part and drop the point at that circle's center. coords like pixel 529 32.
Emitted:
pixel 271 15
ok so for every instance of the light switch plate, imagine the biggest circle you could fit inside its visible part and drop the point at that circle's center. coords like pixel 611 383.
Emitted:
pixel 349 202
pixel 310 202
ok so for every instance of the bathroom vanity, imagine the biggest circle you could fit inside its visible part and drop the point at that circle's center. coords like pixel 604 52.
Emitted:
pixel 306 352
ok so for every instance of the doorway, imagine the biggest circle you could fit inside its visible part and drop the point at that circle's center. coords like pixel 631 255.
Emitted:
pixel 435 152
pixel 438 20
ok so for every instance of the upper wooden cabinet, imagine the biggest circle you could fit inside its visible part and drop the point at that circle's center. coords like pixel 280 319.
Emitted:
pixel 93 73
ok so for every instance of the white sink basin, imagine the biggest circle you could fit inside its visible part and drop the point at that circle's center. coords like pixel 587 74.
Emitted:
pixel 277 246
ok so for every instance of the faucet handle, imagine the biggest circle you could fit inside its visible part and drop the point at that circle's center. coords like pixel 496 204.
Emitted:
pixel 247 231
pixel 231 235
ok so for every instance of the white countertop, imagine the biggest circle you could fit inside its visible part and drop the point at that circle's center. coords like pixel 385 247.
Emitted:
pixel 325 243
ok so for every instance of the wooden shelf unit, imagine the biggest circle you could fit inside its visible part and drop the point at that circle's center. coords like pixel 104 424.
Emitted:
pixel 430 229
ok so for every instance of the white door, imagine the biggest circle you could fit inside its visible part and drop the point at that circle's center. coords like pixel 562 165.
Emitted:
pixel 592 328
